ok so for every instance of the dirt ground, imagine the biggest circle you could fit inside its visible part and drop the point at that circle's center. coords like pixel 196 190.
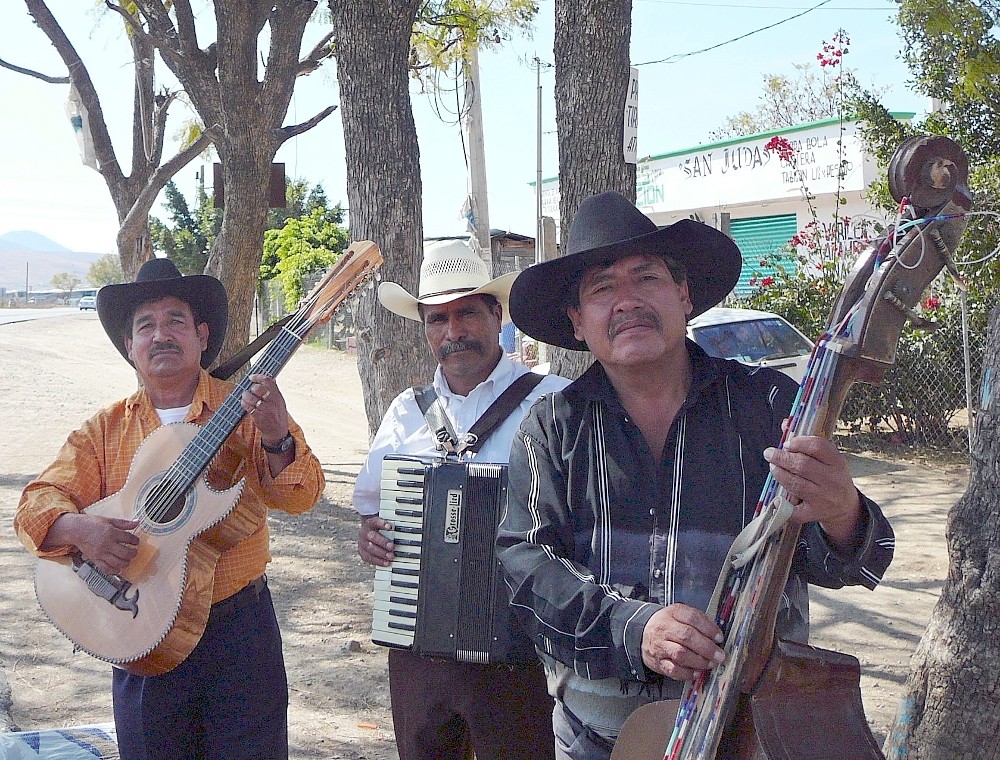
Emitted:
pixel 56 372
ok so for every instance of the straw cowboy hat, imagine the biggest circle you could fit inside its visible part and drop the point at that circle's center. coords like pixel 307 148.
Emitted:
pixel 158 278
pixel 450 270
pixel 608 228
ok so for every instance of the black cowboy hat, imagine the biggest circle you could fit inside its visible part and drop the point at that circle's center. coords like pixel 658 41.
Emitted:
pixel 608 228
pixel 158 278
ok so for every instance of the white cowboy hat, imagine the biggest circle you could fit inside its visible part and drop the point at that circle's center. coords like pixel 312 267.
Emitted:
pixel 450 270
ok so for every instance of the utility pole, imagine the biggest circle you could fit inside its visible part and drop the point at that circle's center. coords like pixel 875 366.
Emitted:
pixel 539 233
pixel 473 118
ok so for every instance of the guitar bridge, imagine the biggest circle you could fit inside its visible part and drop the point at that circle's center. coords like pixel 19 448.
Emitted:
pixel 111 588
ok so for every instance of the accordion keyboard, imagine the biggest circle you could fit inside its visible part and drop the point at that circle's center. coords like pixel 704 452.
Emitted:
pixel 402 503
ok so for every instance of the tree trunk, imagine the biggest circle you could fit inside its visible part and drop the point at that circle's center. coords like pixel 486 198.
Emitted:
pixel 242 98
pixel 592 74
pixel 951 707
pixel 383 186
pixel 236 254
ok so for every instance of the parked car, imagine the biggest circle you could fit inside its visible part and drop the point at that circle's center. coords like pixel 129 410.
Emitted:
pixel 752 337
pixel 87 302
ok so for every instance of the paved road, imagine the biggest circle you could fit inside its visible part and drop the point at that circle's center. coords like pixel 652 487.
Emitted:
pixel 8 316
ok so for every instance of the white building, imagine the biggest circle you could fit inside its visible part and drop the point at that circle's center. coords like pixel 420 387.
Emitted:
pixel 744 188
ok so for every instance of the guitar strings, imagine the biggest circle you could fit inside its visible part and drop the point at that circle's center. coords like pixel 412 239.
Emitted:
pixel 179 478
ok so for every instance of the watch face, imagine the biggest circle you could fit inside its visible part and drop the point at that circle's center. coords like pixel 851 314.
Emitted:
pixel 281 446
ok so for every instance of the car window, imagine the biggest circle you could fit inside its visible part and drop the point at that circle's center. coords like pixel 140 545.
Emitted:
pixel 752 341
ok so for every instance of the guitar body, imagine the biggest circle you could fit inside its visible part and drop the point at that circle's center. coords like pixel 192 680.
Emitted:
pixel 806 705
pixel 148 619
pixel 173 573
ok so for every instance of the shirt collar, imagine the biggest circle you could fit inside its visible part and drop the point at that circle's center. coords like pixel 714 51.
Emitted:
pixel 207 396
pixel 595 385
pixel 502 374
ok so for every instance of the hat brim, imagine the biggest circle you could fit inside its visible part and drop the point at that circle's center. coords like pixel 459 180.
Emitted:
pixel 398 301
pixel 539 296
pixel 115 304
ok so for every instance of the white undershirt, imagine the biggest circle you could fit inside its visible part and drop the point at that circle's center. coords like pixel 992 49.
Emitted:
pixel 177 414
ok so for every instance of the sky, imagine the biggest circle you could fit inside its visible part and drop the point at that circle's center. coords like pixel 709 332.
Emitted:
pixel 699 63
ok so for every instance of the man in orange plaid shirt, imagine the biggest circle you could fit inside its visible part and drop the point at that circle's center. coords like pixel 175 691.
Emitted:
pixel 229 697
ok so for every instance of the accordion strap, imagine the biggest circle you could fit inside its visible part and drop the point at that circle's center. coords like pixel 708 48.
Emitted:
pixel 442 429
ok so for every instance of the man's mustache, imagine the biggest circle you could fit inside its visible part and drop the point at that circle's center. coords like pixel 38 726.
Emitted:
pixel 164 348
pixel 449 347
pixel 645 317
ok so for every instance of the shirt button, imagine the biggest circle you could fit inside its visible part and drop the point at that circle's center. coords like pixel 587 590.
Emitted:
pixel 656 573
pixel 652 513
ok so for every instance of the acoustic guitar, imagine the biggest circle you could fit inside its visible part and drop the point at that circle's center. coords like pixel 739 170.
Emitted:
pixel 149 618
pixel 775 699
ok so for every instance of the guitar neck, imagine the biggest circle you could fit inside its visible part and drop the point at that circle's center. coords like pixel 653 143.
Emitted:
pixel 197 454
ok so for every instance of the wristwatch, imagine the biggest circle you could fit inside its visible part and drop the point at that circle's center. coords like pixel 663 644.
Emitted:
pixel 285 444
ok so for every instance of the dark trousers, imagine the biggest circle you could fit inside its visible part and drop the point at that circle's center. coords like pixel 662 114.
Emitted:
pixel 443 710
pixel 227 701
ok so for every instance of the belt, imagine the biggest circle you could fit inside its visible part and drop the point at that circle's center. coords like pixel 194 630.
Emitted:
pixel 245 597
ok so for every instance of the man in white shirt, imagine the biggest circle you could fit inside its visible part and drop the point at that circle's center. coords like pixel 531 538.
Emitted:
pixel 444 709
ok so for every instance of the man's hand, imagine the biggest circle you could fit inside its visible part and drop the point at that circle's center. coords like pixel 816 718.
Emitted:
pixel 373 547
pixel 264 402
pixel 106 541
pixel 680 641
pixel 819 485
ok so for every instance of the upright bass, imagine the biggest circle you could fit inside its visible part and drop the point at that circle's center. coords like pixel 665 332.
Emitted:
pixel 775 699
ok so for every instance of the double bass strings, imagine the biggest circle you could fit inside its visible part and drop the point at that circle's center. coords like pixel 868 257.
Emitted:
pixel 707 698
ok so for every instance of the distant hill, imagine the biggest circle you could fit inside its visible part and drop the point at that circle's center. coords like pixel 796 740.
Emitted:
pixel 31 255
pixel 27 240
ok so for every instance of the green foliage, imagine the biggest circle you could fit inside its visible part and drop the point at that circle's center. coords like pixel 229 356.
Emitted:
pixel 445 28
pixel 107 270
pixel 302 247
pixel 300 239
pixel 953 50
pixel 190 239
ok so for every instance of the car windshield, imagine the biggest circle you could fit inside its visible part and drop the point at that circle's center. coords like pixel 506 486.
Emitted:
pixel 752 341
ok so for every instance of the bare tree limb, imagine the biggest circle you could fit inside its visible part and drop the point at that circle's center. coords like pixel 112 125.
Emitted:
pixel 163 174
pixel 104 150
pixel 321 51
pixel 31 73
pixel 286 133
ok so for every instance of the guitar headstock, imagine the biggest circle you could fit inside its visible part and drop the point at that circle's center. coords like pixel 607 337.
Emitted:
pixel 928 176
pixel 352 270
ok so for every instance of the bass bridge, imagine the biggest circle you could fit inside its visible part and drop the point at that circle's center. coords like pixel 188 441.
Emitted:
pixel 111 588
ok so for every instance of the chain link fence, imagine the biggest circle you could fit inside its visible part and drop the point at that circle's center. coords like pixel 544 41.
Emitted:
pixel 928 400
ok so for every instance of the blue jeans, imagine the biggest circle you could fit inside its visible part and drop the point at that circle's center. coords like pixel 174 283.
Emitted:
pixel 227 701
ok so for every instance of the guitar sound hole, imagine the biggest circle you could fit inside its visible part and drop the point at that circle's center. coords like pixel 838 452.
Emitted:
pixel 165 502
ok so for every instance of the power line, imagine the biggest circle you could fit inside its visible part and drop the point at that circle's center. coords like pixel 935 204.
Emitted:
pixel 887 5
pixel 679 56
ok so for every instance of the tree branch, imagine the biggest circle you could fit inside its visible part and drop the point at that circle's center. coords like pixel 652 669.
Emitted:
pixel 286 133
pixel 140 208
pixel 80 78
pixel 320 53
pixel 31 73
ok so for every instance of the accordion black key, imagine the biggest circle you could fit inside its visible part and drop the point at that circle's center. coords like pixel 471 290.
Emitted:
pixel 443 595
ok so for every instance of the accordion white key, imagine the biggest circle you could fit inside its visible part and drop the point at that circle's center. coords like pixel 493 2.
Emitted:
pixel 443 595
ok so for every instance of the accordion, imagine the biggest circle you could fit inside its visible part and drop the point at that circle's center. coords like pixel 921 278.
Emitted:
pixel 443 595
